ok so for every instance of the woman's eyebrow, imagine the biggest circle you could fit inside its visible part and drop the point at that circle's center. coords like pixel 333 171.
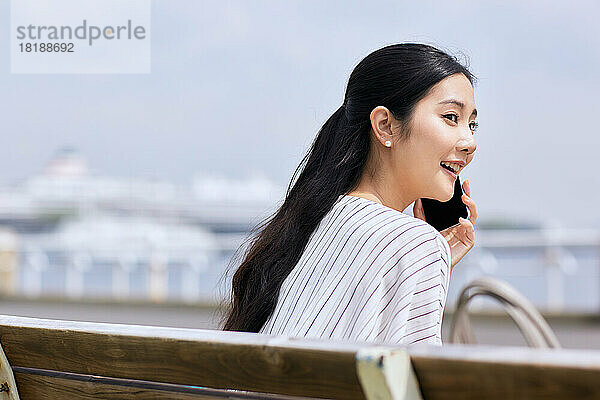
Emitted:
pixel 458 103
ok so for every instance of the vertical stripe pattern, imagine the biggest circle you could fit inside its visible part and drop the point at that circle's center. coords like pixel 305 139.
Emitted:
pixel 368 273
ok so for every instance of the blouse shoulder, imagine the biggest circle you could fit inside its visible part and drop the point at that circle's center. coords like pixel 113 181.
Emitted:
pixel 428 239
pixel 414 238
pixel 407 235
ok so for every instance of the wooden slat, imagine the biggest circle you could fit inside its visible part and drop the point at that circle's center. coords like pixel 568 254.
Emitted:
pixel 54 384
pixel 52 388
pixel 223 360
pixel 499 373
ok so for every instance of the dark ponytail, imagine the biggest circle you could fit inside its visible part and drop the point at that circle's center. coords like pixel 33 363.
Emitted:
pixel 396 77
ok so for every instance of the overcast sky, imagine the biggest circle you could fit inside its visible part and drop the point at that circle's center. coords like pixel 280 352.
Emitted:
pixel 238 87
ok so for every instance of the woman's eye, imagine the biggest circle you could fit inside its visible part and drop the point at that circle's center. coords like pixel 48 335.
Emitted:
pixel 451 116
pixel 474 125
pixel 454 118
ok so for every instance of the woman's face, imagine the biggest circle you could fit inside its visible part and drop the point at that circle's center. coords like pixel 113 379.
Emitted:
pixel 441 130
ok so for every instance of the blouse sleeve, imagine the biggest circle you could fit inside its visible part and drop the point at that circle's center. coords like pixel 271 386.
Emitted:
pixel 413 288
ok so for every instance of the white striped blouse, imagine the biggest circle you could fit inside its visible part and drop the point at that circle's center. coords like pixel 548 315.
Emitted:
pixel 368 273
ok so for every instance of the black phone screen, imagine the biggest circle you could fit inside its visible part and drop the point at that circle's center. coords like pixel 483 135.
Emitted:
pixel 442 215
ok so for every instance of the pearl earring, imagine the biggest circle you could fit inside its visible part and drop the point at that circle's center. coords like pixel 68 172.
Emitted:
pixel 388 143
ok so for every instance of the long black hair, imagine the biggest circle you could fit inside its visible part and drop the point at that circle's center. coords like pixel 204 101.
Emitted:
pixel 395 76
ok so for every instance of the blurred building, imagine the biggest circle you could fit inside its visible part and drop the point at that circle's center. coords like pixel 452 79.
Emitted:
pixel 67 222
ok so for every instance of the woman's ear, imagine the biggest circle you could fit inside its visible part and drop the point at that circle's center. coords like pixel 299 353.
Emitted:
pixel 381 123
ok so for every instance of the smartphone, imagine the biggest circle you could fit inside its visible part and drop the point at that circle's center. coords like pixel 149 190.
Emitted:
pixel 442 215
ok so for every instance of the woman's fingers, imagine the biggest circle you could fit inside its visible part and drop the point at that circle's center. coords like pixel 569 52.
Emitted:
pixel 469 229
pixel 418 211
pixel 467 187
pixel 469 202
pixel 449 236
pixel 472 208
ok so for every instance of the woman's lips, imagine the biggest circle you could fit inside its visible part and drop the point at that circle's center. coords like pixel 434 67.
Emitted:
pixel 452 174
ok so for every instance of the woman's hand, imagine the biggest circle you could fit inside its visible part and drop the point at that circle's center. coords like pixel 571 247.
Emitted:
pixel 460 237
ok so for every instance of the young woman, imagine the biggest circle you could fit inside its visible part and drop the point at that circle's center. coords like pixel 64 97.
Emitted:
pixel 339 259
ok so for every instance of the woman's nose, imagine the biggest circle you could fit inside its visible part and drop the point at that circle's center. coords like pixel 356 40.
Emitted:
pixel 467 144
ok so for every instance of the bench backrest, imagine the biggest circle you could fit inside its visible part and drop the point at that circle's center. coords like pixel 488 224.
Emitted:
pixel 54 359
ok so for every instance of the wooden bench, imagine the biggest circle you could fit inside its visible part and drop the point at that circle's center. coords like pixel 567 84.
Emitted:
pixel 54 359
